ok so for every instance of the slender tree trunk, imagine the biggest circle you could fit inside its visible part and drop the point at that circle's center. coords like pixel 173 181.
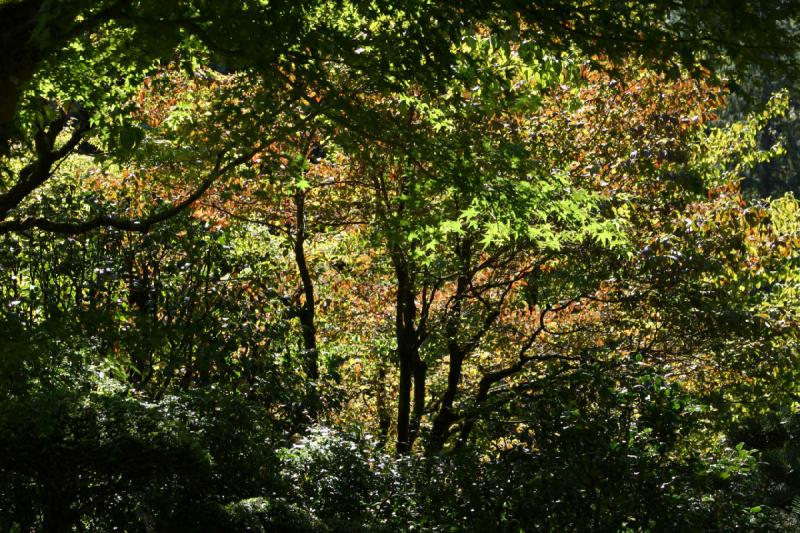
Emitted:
pixel 307 310
pixel 404 408
pixel 445 417
pixel 420 374
pixel 407 349
pixel 440 430
pixel 307 313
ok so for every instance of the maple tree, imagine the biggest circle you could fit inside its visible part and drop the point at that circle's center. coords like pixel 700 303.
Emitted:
pixel 379 265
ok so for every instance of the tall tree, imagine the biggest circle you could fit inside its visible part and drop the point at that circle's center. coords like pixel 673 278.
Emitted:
pixel 60 58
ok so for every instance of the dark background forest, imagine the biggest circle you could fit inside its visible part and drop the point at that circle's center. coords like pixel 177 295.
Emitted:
pixel 405 265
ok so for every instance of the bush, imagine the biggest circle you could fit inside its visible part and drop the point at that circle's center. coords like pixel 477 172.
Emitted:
pixel 105 460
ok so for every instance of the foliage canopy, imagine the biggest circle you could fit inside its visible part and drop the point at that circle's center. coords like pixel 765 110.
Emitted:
pixel 350 265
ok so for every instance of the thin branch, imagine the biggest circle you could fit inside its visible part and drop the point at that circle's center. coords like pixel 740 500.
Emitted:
pixel 124 224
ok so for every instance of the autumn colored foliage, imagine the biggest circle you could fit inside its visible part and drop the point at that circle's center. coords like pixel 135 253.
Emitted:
pixel 388 266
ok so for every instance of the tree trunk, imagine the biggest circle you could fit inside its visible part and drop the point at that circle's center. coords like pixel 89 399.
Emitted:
pixel 307 311
pixel 457 352
pixel 407 350
pixel 420 373
pixel 404 409
pixel 445 417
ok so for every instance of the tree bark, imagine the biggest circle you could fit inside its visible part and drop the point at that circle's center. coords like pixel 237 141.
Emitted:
pixel 306 312
pixel 445 417
pixel 457 352
pixel 420 374
pixel 407 350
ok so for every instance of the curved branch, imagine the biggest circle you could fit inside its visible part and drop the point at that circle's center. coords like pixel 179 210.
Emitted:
pixel 141 225
pixel 40 170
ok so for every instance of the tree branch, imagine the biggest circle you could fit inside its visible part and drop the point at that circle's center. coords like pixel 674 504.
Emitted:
pixel 39 171
pixel 124 224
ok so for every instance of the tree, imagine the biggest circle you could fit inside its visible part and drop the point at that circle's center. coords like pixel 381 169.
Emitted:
pixel 62 58
pixel 521 221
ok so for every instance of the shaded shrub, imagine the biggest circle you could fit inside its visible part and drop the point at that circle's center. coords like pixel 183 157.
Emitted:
pixel 104 460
